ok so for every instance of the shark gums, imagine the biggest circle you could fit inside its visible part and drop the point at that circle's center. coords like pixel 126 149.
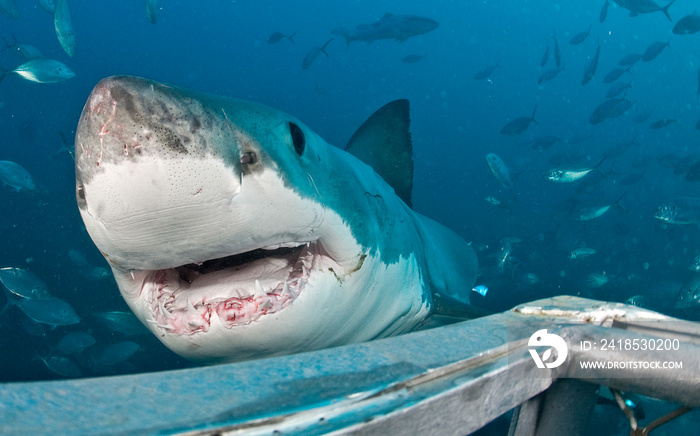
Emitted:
pixel 235 232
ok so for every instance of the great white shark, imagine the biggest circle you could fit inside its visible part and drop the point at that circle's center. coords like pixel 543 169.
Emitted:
pixel 234 231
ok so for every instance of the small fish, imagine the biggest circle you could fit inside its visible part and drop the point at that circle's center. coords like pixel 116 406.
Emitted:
pixel 654 50
pixel 313 54
pixel 48 5
pixel 543 142
pixel 23 283
pixel 75 342
pixel 503 257
pixel 26 51
pixel 66 147
pixel 42 71
pixel 499 169
pixel 15 176
pixel 604 11
pixel 549 75
pixel 152 10
pixel 566 175
pixel 490 199
pixel 637 7
pixel 620 108
pixel 62 366
pixel 688 25
pixel 486 72
pixel 616 89
pixel 96 273
pixel 591 67
pixel 531 278
pixel 689 294
pixel 52 311
pixel 114 354
pixel 695 264
pixel 412 58
pixel 481 290
pixel 680 211
pixel 519 125
pixel 64 27
pixel 596 280
pixel 604 110
pixel 615 74
pixel 276 37
pixel 662 123
pixel 125 323
pixel 557 53
pixel 590 213
pixel 693 174
pixel 636 300
pixel 545 57
pixel 582 252
pixel 630 59
pixel 9 8
pixel 580 37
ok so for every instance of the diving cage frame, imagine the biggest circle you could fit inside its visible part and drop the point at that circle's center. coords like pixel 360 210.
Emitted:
pixel 453 379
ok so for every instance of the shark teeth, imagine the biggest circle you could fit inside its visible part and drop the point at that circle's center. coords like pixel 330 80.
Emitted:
pixel 238 295
pixel 284 245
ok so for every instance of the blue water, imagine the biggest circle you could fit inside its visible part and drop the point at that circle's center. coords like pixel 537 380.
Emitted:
pixel 221 47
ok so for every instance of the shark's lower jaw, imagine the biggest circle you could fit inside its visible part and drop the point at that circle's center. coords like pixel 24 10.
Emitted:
pixel 233 291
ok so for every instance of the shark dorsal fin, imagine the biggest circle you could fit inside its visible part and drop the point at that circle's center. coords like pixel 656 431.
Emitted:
pixel 384 143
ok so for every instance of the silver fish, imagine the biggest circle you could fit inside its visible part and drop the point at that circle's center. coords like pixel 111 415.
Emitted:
pixel 15 176
pixel 42 71
pixel 580 253
pixel 499 169
pixel 682 210
pixel 152 10
pixel 23 283
pixel 695 264
pixel 52 311
pixel 570 175
pixel 596 280
pixel 590 213
pixel 64 27
pixel 689 294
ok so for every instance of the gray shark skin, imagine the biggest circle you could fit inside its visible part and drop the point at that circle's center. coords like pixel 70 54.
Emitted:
pixel 235 232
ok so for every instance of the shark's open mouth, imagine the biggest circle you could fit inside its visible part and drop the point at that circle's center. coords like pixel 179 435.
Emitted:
pixel 238 289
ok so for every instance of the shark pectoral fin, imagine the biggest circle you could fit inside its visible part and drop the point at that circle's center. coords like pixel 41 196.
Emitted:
pixel 384 143
pixel 452 268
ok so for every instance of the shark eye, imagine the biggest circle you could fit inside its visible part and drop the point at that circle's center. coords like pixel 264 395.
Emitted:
pixel 249 158
pixel 297 138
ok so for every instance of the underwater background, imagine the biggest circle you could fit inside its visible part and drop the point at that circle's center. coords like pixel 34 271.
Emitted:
pixel 468 81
